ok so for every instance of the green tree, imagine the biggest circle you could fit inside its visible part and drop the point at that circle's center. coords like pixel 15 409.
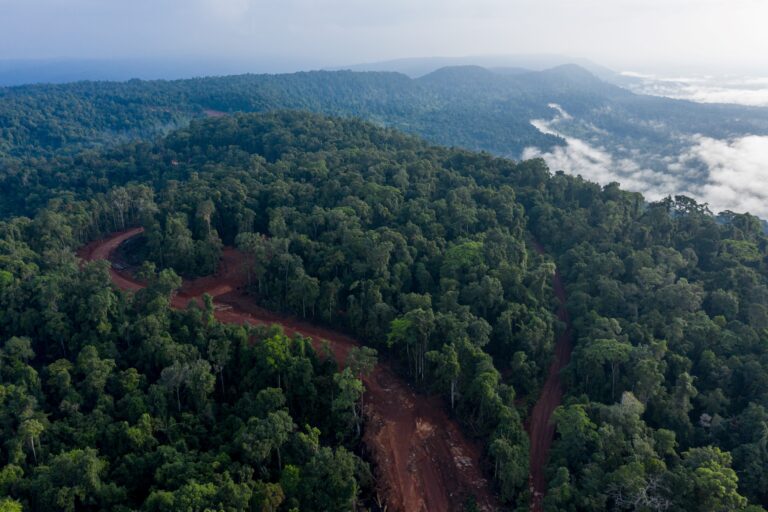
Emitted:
pixel 268 497
pixel 10 505
pixel 607 351
pixel 328 482
pixel 261 437
pixel 349 392
pixel 362 361
pixel 713 484
pixel 219 354
pixel 94 371
pixel 30 430
pixel 447 369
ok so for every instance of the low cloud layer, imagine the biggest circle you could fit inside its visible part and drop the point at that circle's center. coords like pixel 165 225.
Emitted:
pixel 751 91
pixel 726 174
pixel 738 172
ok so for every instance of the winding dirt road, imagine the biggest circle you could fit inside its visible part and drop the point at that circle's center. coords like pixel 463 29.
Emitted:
pixel 541 430
pixel 424 462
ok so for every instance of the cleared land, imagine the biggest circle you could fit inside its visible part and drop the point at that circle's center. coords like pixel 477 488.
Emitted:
pixel 423 460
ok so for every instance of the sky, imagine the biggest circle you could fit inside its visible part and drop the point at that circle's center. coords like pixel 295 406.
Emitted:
pixel 637 35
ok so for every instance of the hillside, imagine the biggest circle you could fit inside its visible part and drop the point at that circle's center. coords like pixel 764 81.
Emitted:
pixel 424 253
pixel 40 119
pixel 579 123
pixel 466 106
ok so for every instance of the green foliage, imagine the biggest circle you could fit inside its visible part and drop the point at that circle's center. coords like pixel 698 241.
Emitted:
pixel 328 482
pixel 10 505
pixel 45 120
pixel 713 484
pixel 656 316
pixel 260 437
pixel 109 400
pixel 112 400
pixel 346 403
pixel 362 360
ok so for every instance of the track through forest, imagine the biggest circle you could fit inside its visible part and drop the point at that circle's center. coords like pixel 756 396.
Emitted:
pixel 424 462
pixel 541 430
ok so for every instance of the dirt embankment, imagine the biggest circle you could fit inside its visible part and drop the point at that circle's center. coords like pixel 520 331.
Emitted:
pixel 541 430
pixel 424 462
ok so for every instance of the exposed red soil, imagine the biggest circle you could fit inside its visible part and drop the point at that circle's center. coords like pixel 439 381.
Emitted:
pixel 423 460
pixel 541 430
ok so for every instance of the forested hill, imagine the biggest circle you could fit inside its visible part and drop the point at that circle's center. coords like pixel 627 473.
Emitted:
pixel 424 253
pixel 40 119
pixel 468 107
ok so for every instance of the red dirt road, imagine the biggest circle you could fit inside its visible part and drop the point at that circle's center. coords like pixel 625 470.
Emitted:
pixel 424 462
pixel 541 430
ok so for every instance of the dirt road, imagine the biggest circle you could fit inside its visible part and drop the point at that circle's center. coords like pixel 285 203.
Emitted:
pixel 541 430
pixel 424 462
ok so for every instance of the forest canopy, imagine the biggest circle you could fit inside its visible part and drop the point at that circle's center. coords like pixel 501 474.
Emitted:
pixel 115 401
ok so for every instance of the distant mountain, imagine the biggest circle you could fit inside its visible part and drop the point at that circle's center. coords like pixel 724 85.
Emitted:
pixel 571 77
pixel 56 71
pixel 509 70
pixel 420 66
pixel 467 106
pixel 463 73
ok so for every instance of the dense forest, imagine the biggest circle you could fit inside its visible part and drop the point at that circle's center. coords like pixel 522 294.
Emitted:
pixel 113 401
pixel 468 107
pixel 42 120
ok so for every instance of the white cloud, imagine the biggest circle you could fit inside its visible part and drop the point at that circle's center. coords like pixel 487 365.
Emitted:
pixel 636 74
pixel 560 111
pixel 726 174
pixel 738 173
pixel 752 91
pixel 578 157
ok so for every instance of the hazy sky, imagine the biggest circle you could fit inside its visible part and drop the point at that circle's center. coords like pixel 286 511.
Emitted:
pixel 623 34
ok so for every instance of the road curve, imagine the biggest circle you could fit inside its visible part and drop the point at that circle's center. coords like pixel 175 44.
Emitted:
pixel 424 463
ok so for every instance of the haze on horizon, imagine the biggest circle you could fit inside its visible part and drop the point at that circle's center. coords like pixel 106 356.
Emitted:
pixel 716 36
pixel 668 46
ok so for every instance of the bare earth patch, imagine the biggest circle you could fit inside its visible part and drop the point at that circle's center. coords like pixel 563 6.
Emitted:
pixel 424 463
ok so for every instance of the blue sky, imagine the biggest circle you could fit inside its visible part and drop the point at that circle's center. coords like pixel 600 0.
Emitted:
pixel 623 34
